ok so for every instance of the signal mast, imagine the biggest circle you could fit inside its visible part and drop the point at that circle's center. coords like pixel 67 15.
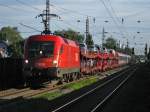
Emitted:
pixel 46 16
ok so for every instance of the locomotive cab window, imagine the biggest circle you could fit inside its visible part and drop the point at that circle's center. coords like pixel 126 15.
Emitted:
pixel 41 49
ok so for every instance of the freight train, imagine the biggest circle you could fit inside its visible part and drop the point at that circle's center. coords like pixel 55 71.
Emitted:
pixel 55 57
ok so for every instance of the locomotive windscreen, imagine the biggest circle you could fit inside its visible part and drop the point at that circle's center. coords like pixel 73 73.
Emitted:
pixel 40 49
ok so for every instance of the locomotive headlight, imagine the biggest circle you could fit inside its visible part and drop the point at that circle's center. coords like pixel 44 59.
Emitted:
pixel 55 62
pixel 41 52
pixel 26 61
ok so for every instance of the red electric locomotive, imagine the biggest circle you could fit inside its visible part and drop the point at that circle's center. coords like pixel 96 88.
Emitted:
pixel 51 56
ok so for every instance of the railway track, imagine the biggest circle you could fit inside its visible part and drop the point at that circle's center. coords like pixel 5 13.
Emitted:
pixel 94 99
pixel 16 96
pixel 29 92
pixel 12 91
pixel 17 92
pixel 101 103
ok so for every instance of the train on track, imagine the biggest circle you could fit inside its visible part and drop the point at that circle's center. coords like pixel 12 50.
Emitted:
pixel 55 57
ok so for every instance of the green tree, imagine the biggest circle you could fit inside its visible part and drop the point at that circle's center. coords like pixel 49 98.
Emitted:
pixel 10 34
pixel 16 49
pixel 89 40
pixel 70 34
pixel 14 39
pixel 110 43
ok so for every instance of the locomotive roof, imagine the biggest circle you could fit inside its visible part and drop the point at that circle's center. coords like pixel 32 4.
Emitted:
pixel 53 38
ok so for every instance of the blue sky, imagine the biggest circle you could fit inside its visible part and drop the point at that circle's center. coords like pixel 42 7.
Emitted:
pixel 12 13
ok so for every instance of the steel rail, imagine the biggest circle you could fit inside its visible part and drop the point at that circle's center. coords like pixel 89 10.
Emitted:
pixel 89 92
pixel 113 92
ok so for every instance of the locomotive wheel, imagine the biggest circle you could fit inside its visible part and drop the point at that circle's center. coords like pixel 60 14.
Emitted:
pixel 60 81
pixel 71 77
pixel 65 77
pixel 74 76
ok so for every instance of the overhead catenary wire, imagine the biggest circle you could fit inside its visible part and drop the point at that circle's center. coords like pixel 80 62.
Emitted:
pixel 58 26
pixel 10 7
pixel 28 5
pixel 72 11
pixel 107 9
pixel 18 9
pixel 30 27
pixel 70 25
pixel 136 14
pixel 29 32
pixel 64 9
pixel 112 17
pixel 114 12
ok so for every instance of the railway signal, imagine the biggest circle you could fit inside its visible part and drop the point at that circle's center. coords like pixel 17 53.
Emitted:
pixel 133 51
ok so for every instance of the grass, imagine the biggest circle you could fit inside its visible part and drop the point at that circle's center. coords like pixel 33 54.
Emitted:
pixel 81 84
pixel 73 86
